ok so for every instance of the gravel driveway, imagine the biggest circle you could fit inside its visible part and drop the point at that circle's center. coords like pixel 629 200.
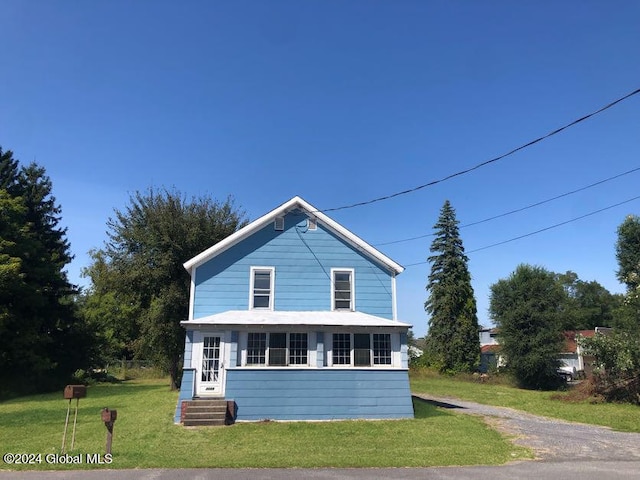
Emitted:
pixel 551 439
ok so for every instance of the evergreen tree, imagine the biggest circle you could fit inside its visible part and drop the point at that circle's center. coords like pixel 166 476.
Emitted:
pixel 453 344
pixel 41 340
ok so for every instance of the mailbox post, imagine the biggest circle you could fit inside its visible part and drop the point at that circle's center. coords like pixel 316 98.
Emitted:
pixel 109 418
pixel 71 392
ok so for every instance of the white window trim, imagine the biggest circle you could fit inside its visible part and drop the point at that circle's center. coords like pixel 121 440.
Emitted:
pixel 244 344
pixel 272 281
pixel 394 343
pixel 353 288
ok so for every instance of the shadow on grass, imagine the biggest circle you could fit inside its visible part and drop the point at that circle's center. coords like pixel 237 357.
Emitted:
pixel 424 408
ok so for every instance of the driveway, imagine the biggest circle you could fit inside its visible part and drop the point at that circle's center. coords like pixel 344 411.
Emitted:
pixel 552 439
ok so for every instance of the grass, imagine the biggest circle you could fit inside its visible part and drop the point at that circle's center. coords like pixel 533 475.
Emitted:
pixel 622 417
pixel 145 436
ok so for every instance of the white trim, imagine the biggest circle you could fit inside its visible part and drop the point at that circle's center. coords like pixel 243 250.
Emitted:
pixel 394 299
pixel 294 203
pixel 282 318
pixel 192 296
pixel 352 272
pixel 196 360
pixel 244 342
pixel 394 345
pixel 272 282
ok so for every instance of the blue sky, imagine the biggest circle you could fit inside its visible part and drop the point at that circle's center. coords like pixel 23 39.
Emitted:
pixel 338 102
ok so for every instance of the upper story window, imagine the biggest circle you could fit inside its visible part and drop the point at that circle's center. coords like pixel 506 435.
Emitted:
pixel 342 294
pixel 261 289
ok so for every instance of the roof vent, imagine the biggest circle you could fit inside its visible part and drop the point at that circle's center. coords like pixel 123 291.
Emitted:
pixel 278 224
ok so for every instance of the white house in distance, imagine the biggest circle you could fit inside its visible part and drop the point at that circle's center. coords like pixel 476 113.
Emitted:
pixel 293 317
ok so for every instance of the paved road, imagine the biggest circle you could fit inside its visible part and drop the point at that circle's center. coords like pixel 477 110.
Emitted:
pixel 564 450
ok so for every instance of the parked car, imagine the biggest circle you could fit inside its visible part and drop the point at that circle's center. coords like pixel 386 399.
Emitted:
pixel 568 373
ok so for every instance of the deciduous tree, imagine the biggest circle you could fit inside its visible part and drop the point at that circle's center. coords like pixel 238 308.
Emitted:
pixel 141 265
pixel 525 308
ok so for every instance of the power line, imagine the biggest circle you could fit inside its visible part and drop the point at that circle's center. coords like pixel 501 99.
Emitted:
pixel 511 212
pixel 462 172
pixel 541 230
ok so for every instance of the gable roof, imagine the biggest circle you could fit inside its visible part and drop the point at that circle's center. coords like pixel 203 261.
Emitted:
pixel 296 203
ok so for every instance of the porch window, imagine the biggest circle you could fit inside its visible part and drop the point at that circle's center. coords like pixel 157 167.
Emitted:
pixel 277 349
pixel 381 349
pixel 262 280
pixel 361 349
pixel 342 289
pixel 256 349
pixel 341 349
pixel 298 349
pixel 368 349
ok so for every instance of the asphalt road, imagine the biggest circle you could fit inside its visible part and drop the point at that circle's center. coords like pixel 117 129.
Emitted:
pixel 564 450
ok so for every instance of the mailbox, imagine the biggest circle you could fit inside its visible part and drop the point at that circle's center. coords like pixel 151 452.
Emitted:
pixel 75 391
pixel 109 416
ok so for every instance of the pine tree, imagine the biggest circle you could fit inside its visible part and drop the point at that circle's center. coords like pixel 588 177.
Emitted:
pixel 453 344
pixel 41 340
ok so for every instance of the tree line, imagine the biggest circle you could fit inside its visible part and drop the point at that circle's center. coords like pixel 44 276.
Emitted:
pixel 138 293
pixel 531 309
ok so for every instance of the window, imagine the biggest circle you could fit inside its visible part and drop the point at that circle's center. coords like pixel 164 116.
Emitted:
pixel 262 279
pixel 366 347
pixel 381 349
pixel 298 348
pixel 210 359
pixel 361 349
pixel 342 291
pixel 341 349
pixel 256 348
pixel 277 349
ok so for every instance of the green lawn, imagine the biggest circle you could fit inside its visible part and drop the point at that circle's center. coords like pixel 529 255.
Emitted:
pixel 145 436
pixel 622 417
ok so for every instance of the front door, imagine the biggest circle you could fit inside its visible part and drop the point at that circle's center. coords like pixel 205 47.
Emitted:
pixel 210 370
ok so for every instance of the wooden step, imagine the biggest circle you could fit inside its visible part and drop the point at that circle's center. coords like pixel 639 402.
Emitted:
pixel 206 412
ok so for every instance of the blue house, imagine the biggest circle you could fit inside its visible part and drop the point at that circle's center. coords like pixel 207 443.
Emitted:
pixel 293 317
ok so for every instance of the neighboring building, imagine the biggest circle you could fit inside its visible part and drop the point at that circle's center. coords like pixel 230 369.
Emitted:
pixel 490 357
pixel 293 317
pixel 573 360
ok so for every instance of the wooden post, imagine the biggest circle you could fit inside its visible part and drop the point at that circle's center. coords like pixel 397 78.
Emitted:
pixel 109 417
pixel 66 424
pixel 75 420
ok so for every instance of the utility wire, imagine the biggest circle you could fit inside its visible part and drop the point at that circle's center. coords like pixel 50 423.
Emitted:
pixel 541 230
pixel 518 209
pixel 462 172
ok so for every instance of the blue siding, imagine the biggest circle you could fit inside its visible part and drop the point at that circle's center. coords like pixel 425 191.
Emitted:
pixel 186 390
pixel 188 349
pixel 303 260
pixel 325 394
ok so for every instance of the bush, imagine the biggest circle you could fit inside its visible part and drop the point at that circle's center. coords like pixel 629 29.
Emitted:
pixel 617 366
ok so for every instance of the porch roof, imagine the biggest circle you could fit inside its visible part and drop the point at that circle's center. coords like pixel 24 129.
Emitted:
pixel 316 318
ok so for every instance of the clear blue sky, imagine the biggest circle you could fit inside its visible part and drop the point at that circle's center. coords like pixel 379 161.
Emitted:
pixel 338 102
